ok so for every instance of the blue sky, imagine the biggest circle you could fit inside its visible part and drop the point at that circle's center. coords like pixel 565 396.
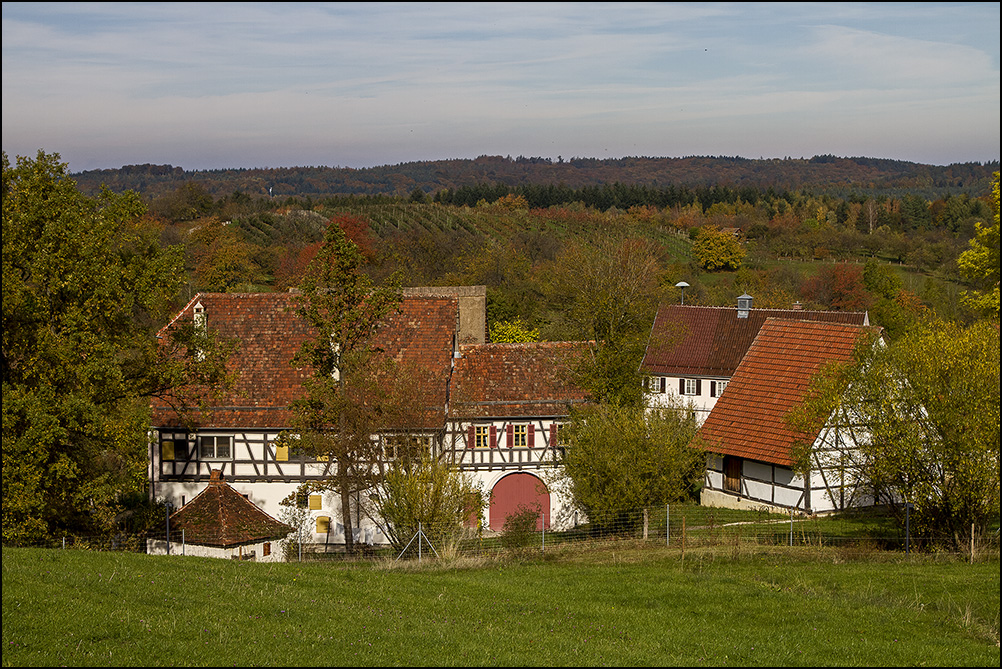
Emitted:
pixel 361 84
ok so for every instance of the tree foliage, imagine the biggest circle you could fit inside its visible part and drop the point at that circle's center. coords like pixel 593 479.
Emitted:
pixel 609 294
pixel 980 263
pixel 429 493
pixel 930 404
pixel 714 249
pixel 512 332
pixel 623 458
pixel 86 286
pixel 353 393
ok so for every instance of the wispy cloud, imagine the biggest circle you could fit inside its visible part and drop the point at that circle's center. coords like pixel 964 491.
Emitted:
pixel 228 84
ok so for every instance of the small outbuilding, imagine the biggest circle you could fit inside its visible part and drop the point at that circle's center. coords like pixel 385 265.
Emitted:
pixel 221 522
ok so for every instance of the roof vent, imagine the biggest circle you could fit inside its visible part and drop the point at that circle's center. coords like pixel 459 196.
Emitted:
pixel 797 306
pixel 744 305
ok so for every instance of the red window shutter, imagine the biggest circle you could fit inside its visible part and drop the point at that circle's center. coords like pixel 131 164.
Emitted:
pixel 532 436
pixel 494 436
pixel 511 435
pixel 553 435
pixel 471 437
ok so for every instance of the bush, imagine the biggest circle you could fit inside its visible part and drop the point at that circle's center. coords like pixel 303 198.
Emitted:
pixel 519 529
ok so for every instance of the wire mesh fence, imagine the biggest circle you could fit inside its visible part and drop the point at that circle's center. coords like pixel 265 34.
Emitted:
pixel 675 528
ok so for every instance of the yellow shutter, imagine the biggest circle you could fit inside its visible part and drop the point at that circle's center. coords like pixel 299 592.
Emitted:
pixel 282 453
pixel 323 524
pixel 315 502
pixel 166 450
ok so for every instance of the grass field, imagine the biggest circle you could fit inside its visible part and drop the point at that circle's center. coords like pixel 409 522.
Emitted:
pixel 628 605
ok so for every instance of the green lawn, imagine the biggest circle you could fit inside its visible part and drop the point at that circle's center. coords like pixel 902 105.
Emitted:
pixel 627 605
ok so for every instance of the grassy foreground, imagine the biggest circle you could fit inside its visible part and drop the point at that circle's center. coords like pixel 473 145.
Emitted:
pixel 618 606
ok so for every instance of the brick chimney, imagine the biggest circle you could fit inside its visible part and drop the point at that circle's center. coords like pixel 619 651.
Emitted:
pixel 216 477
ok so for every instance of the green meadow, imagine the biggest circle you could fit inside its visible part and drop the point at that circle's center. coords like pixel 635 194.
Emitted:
pixel 625 604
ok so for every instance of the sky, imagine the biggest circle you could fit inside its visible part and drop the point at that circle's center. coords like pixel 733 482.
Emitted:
pixel 206 86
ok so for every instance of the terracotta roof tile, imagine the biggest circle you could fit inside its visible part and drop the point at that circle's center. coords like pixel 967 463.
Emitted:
pixel 532 379
pixel 749 419
pixel 220 516
pixel 270 334
pixel 711 341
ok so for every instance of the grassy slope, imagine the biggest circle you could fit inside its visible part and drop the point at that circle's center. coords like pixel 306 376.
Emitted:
pixel 621 607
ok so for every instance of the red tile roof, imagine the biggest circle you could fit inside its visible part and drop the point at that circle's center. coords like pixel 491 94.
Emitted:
pixel 711 341
pixel 749 419
pixel 220 516
pixel 532 379
pixel 419 335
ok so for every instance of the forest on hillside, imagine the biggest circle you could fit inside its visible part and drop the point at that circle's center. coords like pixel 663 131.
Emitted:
pixel 844 177
pixel 893 256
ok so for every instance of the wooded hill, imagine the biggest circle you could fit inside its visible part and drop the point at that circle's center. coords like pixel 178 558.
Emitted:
pixel 829 174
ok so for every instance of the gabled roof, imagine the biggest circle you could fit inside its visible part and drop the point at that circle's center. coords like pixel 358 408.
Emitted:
pixel 711 341
pixel 220 516
pixel 749 419
pixel 531 379
pixel 419 336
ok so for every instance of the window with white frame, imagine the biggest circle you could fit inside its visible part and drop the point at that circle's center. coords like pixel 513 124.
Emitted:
pixel 215 448
pixel 691 387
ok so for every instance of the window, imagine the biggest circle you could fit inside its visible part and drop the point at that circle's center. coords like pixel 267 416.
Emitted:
pixel 173 446
pixel 482 436
pixel 214 448
pixel 519 436
pixel 409 447
pixel 690 386
pixel 720 387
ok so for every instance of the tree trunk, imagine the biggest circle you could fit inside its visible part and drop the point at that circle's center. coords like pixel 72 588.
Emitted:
pixel 349 537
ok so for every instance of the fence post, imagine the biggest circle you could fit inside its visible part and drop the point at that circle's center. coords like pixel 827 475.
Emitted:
pixel 667 525
pixel 791 527
pixel 167 506
pixel 182 541
pixel 64 543
pixel 544 531
pixel 420 533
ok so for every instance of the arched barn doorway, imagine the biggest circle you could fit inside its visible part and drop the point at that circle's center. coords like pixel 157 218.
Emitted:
pixel 515 490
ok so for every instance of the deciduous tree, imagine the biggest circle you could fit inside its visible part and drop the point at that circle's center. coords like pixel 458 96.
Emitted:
pixel 623 458
pixel 930 405
pixel 85 289
pixel 715 249
pixel 980 264
pixel 608 293
pixel 353 393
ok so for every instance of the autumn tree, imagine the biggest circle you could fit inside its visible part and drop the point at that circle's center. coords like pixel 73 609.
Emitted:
pixel 608 294
pixel 424 493
pixel 929 405
pixel 512 332
pixel 86 287
pixel 715 249
pixel 353 393
pixel 980 263
pixel 619 459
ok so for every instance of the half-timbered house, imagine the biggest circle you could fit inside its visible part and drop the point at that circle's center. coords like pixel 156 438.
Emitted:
pixel 237 432
pixel 507 404
pixel 752 444
pixel 694 351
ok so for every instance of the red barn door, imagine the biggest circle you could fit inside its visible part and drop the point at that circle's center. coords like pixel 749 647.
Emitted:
pixel 514 491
